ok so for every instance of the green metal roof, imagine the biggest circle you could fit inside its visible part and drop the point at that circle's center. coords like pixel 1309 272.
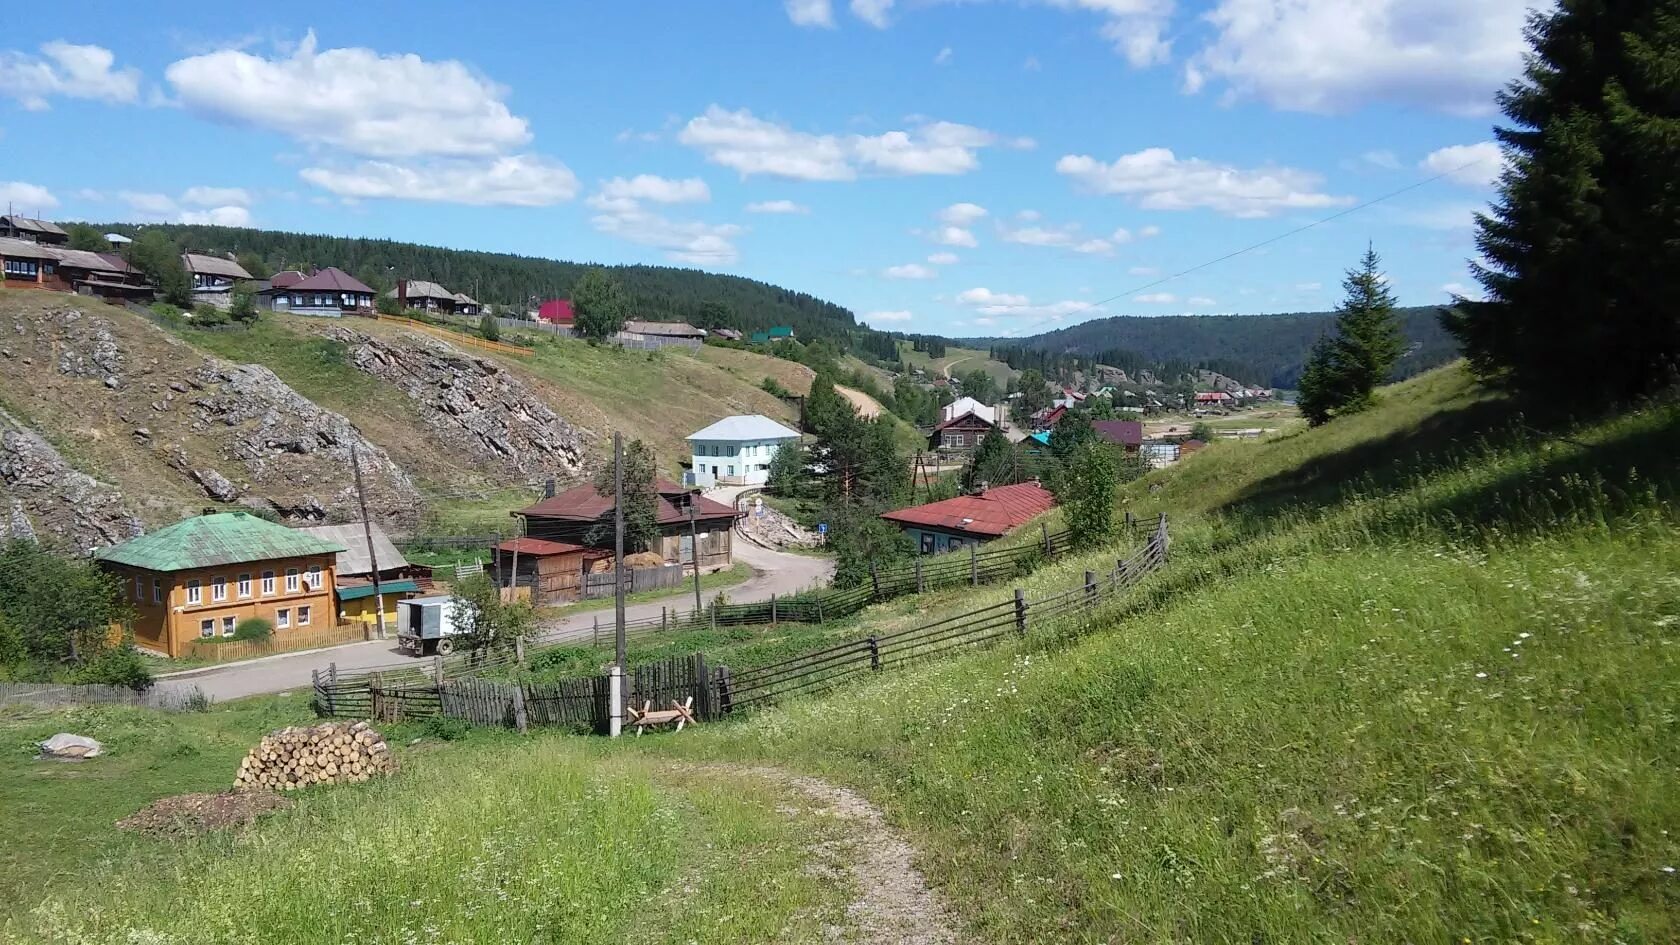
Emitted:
pixel 211 540
pixel 360 591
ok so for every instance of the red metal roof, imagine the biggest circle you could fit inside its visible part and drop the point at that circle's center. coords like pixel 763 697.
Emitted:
pixel 558 311
pixel 991 513
pixel 331 279
pixel 584 504
pixel 1212 397
pixel 285 279
pixel 1122 432
pixel 538 547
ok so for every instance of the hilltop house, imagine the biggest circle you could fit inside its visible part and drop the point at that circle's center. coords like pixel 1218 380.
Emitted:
pixel 773 334
pixel 582 516
pixel 962 405
pixel 353 573
pixel 29 264
pixel 737 450
pixel 1126 434
pixel 431 297
pixel 466 304
pixel 972 519
pixel 330 293
pixel 35 231
pixel 557 312
pixel 200 577
pixel 1214 398
pixel 213 278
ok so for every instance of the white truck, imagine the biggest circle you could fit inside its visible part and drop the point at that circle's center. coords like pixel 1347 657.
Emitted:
pixel 425 625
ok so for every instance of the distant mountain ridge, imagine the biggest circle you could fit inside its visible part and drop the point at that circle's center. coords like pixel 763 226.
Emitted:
pixel 1268 350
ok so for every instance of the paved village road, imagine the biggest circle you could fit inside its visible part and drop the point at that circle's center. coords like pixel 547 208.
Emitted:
pixel 774 572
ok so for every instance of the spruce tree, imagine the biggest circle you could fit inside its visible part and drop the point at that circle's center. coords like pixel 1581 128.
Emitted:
pixel 1582 246
pixel 1317 397
pixel 1368 338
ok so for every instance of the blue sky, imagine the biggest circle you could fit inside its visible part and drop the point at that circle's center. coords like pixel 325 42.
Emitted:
pixel 952 166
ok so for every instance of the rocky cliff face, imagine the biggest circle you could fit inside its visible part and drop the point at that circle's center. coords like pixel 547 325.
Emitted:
pixel 471 402
pixel 45 499
pixel 170 428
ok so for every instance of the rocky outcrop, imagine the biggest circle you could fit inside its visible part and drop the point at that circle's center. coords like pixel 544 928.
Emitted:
pixel 471 403
pixel 47 500
pixel 273 436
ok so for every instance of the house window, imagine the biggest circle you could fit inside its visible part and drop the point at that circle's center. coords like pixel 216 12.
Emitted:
pixel 157 591
pixel 303 616
pixel 218 588
pixel 22 267
pixel 314 577
pixel 268 584
pixel 245 585
pixel 731 470
pixel 927 542
pixel 291 580
pixel 283 618
pixel 228 625
pixel 139 589
pixel 195 593
pixel 207 628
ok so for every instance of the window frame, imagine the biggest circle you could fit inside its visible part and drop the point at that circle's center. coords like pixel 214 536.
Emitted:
pixel 292 579
pixel 268 585
pixel 139 589
pixel 218 589
pixel 304 612
pixel 229 623
pixel 207 628
pixel 195 591
pixel 282 618
pixel 242 587
pixel 157 591
pixel 313 577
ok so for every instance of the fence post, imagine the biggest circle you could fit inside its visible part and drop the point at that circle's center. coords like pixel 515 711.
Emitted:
pixel 820 608
pixel 713 610
pixel 874 654
pixel 663 620
pixel 1090 585
pixel 315 690
pixel 875 580
pixel 519 720
pixel 1044 530
pixel 1119 571
pixel 772 610
pixel 376 698
pixel 1161 531
pixel 1020 611
pixel 595 640
pixel 974 565
pixel 726 699
pixel 702 689
pixel 519 651
pixel 437 669
pixel 332 682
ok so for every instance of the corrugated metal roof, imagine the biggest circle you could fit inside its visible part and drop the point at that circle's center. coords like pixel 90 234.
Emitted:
pixel 1122 432
pixel 538 547
pixel 354 558
pixel 213 266
pixel 82 259
pixel 462 298
pixel 359 591
pixel 421 289
pixel 991 513
pixel 753 426
pixel 664 329
pixel 285 278
pixel 33 225
pixel 584 504
pixel 210 540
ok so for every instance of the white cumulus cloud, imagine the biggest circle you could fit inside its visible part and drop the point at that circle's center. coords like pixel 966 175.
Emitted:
pixel 516 180
pixel 810 12
pixel 943 58
pixel 217 196
pixel 654 188
pixel 1155 298
pixel 751 145
pixel 27 198
pixel 962 214
pixel 777 206
pixel 1200 301
pixel 985 296
pixel 1157 179
pixel 909 271
pixel 371 104
pixel 69 71
pixel 1473 165
pixel 1331 55
pixel 873 12
pixel 943 259
pixel 218 216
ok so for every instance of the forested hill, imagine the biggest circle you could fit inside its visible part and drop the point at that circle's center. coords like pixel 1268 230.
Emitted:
pixel 659 292
pixel 1257 349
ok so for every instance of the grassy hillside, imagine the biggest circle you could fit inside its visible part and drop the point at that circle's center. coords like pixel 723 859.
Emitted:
pixel 1409 677
pixel 961 360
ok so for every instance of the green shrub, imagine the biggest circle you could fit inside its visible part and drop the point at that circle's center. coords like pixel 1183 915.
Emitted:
pixel 116 666
pixel 254 630
pixel 774 388
pixel 445 728
pixel 489 329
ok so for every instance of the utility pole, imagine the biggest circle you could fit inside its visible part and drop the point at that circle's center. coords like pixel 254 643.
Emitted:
pixel 694 552
pixel 616 724
pixel 367 532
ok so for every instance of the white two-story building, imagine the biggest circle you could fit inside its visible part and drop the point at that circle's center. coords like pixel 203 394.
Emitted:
pixel 736 451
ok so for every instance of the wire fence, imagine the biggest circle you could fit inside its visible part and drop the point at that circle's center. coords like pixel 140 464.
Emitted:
pixel 582 703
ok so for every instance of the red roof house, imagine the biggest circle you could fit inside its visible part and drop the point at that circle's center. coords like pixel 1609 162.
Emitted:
pixel 1126 433
pixel 556 312
pixel 582 516
pixel 1046 418
pixel 1213 397
pixel 972 519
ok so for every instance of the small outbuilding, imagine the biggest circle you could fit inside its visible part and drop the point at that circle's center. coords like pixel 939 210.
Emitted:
pixel 966 520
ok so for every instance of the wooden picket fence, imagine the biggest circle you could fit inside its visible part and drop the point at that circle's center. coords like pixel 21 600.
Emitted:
pixel 280 641
pixel 55 695
pixel 581 703
pixel 458 338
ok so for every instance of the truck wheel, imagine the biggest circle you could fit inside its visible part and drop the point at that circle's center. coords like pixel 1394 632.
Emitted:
pixel 445 647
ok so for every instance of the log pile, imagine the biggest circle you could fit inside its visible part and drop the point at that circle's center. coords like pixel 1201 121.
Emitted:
pixel 330 753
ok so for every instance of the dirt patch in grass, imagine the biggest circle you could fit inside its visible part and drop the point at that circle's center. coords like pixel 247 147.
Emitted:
pixel 190 815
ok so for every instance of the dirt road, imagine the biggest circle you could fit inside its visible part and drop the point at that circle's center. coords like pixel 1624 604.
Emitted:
pixel 867 407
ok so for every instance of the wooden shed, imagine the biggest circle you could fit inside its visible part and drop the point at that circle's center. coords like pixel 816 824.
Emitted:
pixel 553 570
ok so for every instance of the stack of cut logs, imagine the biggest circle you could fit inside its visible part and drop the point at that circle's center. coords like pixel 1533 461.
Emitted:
pixel 329 753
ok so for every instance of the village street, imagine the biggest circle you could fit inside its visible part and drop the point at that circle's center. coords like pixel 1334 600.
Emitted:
pixel 774 572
